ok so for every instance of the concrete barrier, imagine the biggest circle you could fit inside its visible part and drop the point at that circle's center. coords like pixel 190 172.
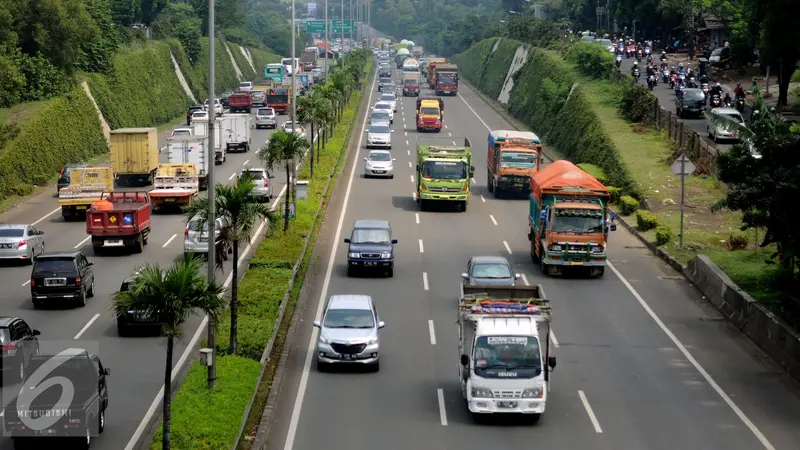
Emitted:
pixel 771 334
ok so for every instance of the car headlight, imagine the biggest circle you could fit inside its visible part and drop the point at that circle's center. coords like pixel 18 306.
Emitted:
pixel 324 339
pixel 536 392
pixel 481 392
pixel 386 255
pixel 555 248
pixel 598 249
pixel 372 341
pixel 353 255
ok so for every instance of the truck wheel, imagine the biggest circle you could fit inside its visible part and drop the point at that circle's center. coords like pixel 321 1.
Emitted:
pixel 97 249
pixel 138 245
pixel 598 272
pixel 464 206
pixel 534 257
pixel 545 268
pixel 497 192
pixel 490 183
pixel 422 205
pixel 534 418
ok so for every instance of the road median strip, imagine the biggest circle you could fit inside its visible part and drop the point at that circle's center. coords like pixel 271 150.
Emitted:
pixel 216 419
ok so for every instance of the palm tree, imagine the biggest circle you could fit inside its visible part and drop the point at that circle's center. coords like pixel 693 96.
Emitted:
pixel 333 95
pixel 306 113
pixel 342 82
pixel 283 147
pixel 237 205
pixel 324 117
pixel 172 295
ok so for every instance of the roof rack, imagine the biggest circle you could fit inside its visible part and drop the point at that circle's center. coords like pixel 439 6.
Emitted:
pixel 505 301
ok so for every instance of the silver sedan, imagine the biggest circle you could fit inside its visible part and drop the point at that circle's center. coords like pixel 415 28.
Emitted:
pixel 21 242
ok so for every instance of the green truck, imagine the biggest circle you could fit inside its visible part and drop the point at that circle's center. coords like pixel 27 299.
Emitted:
pixel 444 171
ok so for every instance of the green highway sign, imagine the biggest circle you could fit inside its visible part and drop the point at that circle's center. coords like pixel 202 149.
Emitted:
pixel 337 26
pixel 315 26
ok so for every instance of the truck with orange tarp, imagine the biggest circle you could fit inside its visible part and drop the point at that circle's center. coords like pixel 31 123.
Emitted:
pixel 120 219
pixel 513 158
pixel 569 220
pixel 279 98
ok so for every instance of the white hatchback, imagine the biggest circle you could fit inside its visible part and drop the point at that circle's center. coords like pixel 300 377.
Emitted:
pixel 384 106
pixel 390 98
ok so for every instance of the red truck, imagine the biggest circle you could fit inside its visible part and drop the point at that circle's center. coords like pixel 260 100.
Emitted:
pixel 240 101
pixel 120 219
pixel 446 79
pixel 278 99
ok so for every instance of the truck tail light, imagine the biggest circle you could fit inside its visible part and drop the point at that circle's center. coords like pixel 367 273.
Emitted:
pixel 22 242
pixel 77 281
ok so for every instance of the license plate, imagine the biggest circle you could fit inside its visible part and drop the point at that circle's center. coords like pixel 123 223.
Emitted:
pixel 168 200
pixel 141 317
pixel 519 185
pixel 202 240
pixel 506 404
pixel 81 207
pixel 55 282
pixel 5 245
pixel 370 263
pixel 576 263
pixel 348 357
pixel 113 242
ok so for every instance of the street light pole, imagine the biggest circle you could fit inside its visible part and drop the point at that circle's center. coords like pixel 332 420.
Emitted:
pixel 293 181
pixel 341 46
pixel 327 41
pixel 212 331
pixel 352 28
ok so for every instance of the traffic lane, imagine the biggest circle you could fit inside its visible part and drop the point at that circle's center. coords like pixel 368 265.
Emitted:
pixel 406 379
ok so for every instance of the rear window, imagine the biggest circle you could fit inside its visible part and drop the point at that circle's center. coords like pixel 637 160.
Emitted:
pixel 196 225
pixel 255 174
pixel 265 112
pixel 12 233
pixel 58 266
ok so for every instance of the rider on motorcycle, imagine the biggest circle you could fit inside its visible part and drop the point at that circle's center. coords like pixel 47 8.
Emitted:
pixel 635 68
pixel 727 99
pixel 663 56
pixel 651 70
pixel 716 90
pixel 739 91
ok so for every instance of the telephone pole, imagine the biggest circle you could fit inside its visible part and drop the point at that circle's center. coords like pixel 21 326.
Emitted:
pixel 295 68
pixel 212 327
pixel 341 45
pixel 327 40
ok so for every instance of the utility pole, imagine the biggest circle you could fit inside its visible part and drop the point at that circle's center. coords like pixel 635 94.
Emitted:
pixel 353 27
pixel 293 181
pixel 341 46
pixel 212 327
pixel 327 41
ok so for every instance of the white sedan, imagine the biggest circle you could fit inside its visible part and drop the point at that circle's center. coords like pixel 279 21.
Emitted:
pixel 217 106
pixel 385 106
pixel 287 127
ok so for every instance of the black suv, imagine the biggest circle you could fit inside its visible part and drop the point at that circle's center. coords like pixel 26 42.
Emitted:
pixel 64 178
pixel 223 99
pixel 191 110
pixel 135 320
pixel 18 342
pixel 371 247
pixel 61 276
pixel 691 102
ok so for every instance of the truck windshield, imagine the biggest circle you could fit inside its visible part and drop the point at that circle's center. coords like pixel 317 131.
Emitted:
pixel 448 79
pixel 429 111
pixel 410 82
pixel 518 160
pixel 274 70
pixel 577 221
pixel 495 355
pixel 444 170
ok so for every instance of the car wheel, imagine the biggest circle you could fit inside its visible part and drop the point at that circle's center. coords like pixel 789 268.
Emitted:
pixel 91 290
pixel 351 272
pixel 321 366
pixel 376 367
pixel 390 273
pixel 82 299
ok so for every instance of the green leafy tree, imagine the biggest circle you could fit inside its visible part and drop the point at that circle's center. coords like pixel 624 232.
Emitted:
pixel 307 112
pixel 189 36
pixel 167 22
pixel 173 295
pixel 282 148
pixel 98 54
pixel 237 205
pixel 778 24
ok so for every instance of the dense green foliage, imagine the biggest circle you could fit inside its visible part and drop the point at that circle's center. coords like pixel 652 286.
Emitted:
pixel 591 59
pixel 637 103
pixel 489 72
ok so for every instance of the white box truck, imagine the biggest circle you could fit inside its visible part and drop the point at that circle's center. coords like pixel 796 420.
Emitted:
pixel 201 128
pixel 504 343
pixel 190 150
pixel 236 131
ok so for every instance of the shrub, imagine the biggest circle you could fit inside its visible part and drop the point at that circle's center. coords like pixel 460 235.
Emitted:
pixel 591 59
pixel 12 81
pixel 638 104
pixel 645 220
pixel 663 235
pixel 614 193
pixel 628 205
pixel 796 76
pixel 738 241
pixel 594 171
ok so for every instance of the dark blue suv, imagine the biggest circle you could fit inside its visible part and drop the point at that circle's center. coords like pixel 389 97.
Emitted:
pixel 371 247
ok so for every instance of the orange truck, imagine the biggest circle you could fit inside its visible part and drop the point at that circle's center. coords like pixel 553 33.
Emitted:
pixel 513 158
pixel 430 114
pixel 569 220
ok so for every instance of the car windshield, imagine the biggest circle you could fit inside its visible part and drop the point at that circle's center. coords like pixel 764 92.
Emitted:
pixel 380 156
pixel 577 221
pixel 197 226
pixel 493 270
pixel 429 111
pixel 507 352
pixel 371 236
pixel 58 266
pixel 200 114
pixel 12 232
pixel 520 160
pixel 693 95
pixel 182 133
pixel 382 106
pixel 380 115
pixel 387 98
pixel 264 112
pixel 259 93
pixel 444 170
pixel 349 318
pixel 379 129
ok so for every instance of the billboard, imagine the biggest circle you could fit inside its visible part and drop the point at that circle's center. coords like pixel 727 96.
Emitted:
pixel 311 8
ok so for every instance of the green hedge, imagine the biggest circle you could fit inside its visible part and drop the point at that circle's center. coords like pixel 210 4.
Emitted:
pixel 646 220
pixel 485 69
pixel 261 59
pixel 473 62
pixel 628 205
pixel 66 129
pixel 591 59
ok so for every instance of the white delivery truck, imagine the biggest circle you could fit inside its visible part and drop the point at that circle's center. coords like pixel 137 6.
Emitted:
pixel 220 148
pixel 236 131
pixel 190 150
pixel 504 343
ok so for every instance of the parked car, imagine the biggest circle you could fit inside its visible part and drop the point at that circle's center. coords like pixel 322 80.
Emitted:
pixel 266 118
pixel 18 342
pixel 262 179
pixel 20 242
pixel 717 132
pixel 64 177
pixel 489 270
pixel 348 332
pixel 61 277
pixel 371 247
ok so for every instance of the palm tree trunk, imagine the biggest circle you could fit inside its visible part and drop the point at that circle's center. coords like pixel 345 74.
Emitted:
pixel 234 297
pixel 322 136
pixel 286 206
pixel 165 435
pixel 312 149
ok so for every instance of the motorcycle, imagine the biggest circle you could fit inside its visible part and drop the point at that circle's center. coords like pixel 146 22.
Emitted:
pixel 682 78
pixel 647 51
pixel 651 82
pixel 636 74
pixel 639 55
pixel 673 80
pixel 740 104
pixel 665 72
pixel 726 102
pixel 679 89
pixel 704 87
pixel 629 51
pixel 715 102
pixel 618 61
pixel 692 82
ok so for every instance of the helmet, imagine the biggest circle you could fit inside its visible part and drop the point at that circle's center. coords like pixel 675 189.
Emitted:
pixel 636 63
pixel 718 85
pixel 738 84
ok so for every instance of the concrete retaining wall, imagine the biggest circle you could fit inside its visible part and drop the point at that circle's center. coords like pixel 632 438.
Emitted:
pixel 239 75
pixel 770 333
pixel 520 58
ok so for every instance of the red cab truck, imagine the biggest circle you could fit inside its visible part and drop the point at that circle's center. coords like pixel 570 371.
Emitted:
pixel 278 99
pixel 240 102
pixel 446 79
pixel 430 114
pixel 119 219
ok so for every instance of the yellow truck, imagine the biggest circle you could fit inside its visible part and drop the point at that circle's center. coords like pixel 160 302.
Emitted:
pixel 87 185
pixel 175 186
pixel 134 156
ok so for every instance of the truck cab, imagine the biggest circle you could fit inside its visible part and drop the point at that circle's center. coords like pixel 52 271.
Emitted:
pixel 430 114
pixel 513 158
pixel 446 79
pixel 444 171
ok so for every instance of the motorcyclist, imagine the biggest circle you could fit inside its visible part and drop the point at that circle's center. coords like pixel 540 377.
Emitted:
pixel 651 70
pixel 634 68
pixel 727 100
pixel 716 90
pixel 738 91
pixel 663 56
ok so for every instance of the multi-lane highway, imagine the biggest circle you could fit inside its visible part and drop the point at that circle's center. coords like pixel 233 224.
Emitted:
pixel 643 362
pixel 137 363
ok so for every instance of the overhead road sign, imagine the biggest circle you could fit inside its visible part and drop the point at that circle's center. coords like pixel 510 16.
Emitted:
pixel 315 26
pixel 337 26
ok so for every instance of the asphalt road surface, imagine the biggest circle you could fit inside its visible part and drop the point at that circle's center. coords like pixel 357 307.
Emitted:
pixel 643 363
pixel 136 363
pixel 666 97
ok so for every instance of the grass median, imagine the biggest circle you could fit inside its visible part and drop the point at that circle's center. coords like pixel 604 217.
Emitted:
pixel 205 420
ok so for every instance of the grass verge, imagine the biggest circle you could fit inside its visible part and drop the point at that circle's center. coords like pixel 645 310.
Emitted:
pixel 260 293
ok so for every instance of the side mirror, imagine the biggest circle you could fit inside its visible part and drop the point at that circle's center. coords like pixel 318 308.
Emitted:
pixel 465 276
pixel 106 371
pixel 517 276
pixel 464 360
pixel 346 240
pixel 394 241
pixel 551 361
pixel 381 324
pixel 365 159
pixel 36 333
pixel 317 324
pixel 471 172
pixel 41 233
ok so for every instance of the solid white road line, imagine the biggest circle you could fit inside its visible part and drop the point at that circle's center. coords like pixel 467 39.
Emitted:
pixel 442 412
pixel 425 280
pixel 26 283
pixel 301 389
pixel 553 339
pixel 432 333
pixel 493 221
pixel 703 372
pixel 245 163
pixel 421 248
pixel 41 219
pixel 473 112
pixel 589 411
pixel 169 240
pixel 412 178
pixel 231 177
pixel 483 199
pixel 86 327
pixel 508 249
pixel 80 244
pixel 416 218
